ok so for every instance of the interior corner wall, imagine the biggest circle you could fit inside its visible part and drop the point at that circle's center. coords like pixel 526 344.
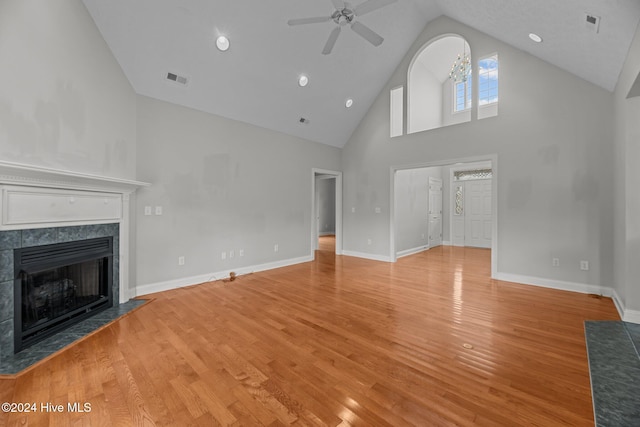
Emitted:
pixel 552 141
pixel 411 207
pixel 223 186
pixel 425 100
pixel 64 101
pixel 627 176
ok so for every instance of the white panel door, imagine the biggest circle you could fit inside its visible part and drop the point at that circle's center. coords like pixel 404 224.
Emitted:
pixel 477 211
pixel 435 212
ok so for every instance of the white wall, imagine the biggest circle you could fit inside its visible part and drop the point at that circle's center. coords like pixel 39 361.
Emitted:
pixel 411 207
pixel 627 178
pixel 64 101
pixel 223 185
pixel 553 144
pixel 424 100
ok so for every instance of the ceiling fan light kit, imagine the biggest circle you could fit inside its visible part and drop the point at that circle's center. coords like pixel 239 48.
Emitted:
pixel 344 14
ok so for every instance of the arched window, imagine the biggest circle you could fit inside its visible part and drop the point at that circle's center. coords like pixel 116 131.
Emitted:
pixel 439 84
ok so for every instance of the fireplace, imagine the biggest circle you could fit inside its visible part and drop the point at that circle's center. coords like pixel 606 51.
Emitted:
pixel 43 206
pixel 58 285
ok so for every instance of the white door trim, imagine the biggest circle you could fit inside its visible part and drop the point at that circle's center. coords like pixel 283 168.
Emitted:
pixel 314 208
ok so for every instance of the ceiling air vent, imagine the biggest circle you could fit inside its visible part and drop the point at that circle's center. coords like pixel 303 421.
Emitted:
pixel 592 22
pixel 177 79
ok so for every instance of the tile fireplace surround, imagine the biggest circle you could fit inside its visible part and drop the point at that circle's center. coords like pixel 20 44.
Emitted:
pixel 14 239
pixel 41 206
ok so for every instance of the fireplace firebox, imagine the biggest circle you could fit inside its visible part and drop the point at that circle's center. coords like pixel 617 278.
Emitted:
pixel 56 286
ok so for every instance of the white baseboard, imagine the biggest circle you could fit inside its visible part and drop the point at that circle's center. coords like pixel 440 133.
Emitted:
pixel 202 278
pixel 446 243
pixel 373 257
pixel 412 251
pixel 554 284
pixel 631 316
pixel 618 303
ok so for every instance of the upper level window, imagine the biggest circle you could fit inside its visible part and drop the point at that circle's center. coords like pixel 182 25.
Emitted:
pixel 434 97
pixel 443 84
pixel 488 87
pixel 397 111
pixel 462 95
pixel 488 80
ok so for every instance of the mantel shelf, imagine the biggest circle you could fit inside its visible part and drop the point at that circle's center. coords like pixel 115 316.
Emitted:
pixel 37 176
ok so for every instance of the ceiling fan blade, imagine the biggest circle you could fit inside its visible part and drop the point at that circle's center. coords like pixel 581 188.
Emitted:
pixel 331 41
pixel 367 33
pixel 338 4
pixel 370 6
pixel 303 21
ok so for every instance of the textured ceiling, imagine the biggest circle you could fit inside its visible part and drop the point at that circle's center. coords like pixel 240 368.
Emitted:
pixel 255 81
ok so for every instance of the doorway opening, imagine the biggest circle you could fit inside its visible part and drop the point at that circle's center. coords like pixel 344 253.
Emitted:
pixel 431 208
pixel 326 223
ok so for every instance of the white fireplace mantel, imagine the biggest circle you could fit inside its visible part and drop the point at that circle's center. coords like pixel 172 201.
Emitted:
pixel 39 197
pixel 37 176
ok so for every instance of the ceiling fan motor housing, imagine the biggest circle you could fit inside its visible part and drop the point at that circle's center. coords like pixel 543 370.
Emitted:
pixel 343 16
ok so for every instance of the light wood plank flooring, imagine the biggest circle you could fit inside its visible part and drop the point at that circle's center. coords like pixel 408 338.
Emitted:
pixel 337 341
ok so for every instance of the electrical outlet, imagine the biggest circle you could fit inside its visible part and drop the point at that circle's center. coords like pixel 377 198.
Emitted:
pixel 223 255
pixel 241 252
pixel 275 248
pixel 353 210
pixel 555 262
pixel 147 210
pixel 180 260
pixel 377 210
pixel 368 241
pixel 584 265
pixel 158 210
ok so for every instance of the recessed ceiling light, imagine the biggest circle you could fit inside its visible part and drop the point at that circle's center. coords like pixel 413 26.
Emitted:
pixel 348 103
pixel 303 80
pixel 222 43
pixel 536 38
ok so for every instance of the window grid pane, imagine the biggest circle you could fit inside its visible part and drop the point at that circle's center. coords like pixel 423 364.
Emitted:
pixel 462 95
pixel 488 78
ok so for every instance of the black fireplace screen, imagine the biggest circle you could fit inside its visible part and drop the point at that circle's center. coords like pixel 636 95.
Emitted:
pixel 59 285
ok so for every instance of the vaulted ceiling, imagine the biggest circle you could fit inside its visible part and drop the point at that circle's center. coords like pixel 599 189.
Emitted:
pixel 256 80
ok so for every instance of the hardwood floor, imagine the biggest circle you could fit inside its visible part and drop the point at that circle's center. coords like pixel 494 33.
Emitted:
pixel 337 341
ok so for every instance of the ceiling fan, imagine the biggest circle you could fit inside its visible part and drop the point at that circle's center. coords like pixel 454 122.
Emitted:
pixel 345 15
